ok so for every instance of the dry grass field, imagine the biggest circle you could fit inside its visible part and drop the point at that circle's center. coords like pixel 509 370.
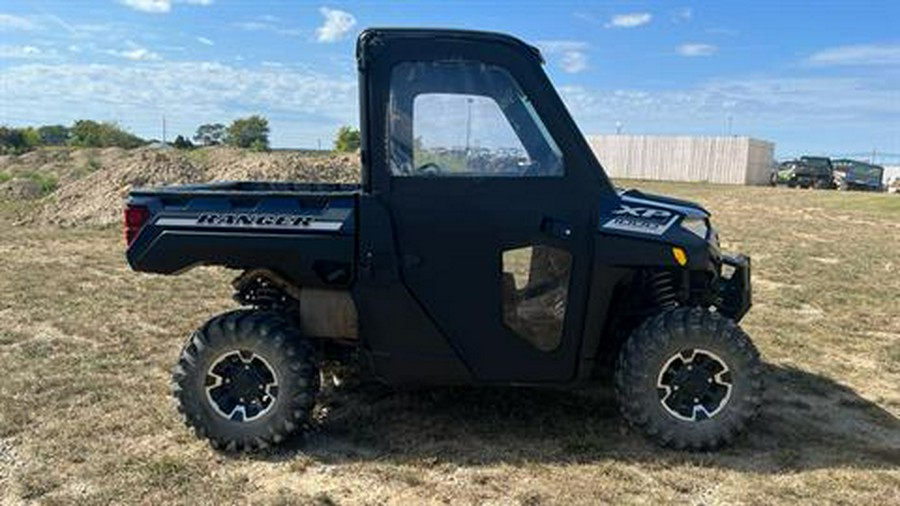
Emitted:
pixel 85 416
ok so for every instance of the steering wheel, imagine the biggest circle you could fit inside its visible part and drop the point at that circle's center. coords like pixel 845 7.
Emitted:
pixel 429 168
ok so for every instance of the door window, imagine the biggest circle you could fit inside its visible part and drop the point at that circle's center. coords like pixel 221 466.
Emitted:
pixel 535 291
pixel 465 119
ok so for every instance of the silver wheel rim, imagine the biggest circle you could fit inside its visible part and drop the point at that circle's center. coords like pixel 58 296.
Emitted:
pixel 241 386
pixel 694 385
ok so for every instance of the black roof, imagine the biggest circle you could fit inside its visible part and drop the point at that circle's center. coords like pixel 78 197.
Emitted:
pixel 446 33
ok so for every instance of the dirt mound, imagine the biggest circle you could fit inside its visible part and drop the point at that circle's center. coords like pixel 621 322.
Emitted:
pixel 236 165
pixel 60 164
pixel 96 195
pixel 24 189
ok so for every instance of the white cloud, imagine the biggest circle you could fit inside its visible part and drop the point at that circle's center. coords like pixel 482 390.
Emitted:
pixel 154 6
pixel 204 40
pixel 22 53
pixel 161 6
pixel 141 54
pixel 252 26
pixel 695 49
pixel 849 113
pixel 800 114
pixel 136 54
pixel 109 30
pixel 574 62
pixel 571 55
pixel 337 24
pixel 269 24
pixel 9 21
pixel 721 30
pixel 630 20
pixel 866 54
pixel 301 105
pixel 683 15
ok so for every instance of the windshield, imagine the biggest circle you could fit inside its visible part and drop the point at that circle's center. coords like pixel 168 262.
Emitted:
pixel 817 162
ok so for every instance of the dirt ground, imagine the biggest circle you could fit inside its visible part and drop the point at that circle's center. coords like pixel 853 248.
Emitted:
pixel 85 416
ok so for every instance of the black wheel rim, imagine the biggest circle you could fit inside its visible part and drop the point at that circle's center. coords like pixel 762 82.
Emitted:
pixel 694 385
pixel 241 386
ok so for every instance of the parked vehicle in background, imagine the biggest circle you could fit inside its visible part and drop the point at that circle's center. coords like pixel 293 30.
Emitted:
pixel 894 186
pixel 807 172
pixel 820 171
pixel 785 174
pixel 858 176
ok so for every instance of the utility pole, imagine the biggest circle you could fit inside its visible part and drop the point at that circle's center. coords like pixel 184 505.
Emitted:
pixel 618 127
pixel 729 124
pixel 468 123
pixel 164 129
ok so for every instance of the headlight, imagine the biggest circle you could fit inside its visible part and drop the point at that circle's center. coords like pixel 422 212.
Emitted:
pixel 696 226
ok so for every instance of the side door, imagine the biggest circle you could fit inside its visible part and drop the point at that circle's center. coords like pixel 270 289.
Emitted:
pixel 492 226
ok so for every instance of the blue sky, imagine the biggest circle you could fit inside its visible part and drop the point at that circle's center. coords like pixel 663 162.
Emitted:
pixel 819 77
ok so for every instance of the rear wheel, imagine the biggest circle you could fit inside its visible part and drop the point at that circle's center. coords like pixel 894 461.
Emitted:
pixel 689 379
pixel 246 380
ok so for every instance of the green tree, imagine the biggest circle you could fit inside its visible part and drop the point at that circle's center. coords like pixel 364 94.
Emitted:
pixel 11 141
pixel 210 134
pixel 86 133
pixel 250 132
pixel 91 134
pixel 18 140
pixel 53 135
pixel 31 137
pixel 182 142
pixel 347 139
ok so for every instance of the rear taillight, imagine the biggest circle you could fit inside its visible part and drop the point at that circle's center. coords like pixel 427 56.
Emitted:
pixel 135 218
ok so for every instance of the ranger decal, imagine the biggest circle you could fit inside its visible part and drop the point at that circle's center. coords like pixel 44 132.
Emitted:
pixel 256 221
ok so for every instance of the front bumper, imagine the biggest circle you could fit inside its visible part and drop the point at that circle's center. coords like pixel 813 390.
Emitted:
pixel 733 297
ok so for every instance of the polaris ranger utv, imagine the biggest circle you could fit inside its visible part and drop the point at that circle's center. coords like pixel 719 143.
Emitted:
pixel 484 246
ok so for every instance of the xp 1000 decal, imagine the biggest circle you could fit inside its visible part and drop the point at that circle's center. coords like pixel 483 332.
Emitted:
pixel 641 220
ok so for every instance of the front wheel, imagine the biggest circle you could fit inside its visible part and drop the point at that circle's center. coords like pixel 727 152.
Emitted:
pixel 689 379
pixel 246 380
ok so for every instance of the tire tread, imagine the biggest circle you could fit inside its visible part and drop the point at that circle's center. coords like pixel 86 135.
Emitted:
pixel 245 328
pixel 662 332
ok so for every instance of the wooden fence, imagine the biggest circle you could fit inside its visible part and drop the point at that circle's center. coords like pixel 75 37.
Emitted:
pixel 732 160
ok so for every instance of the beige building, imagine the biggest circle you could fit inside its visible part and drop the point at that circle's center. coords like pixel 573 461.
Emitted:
pixel 730 160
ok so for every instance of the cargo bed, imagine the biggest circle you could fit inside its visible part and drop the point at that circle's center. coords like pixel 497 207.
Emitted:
pixel 304 231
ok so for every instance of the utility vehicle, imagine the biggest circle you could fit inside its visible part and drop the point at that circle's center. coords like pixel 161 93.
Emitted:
pixel 485 245
pixel 853 175
pixel 807 172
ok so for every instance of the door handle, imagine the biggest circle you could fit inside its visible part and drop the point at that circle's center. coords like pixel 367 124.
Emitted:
pixel 556 228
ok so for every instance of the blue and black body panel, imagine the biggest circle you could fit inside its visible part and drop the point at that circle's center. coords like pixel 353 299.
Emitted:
pixel 641 231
